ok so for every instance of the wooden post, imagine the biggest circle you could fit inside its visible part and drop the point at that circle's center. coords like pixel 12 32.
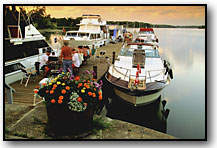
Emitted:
pixel 95 71
pixel 113 57
pixel 9 92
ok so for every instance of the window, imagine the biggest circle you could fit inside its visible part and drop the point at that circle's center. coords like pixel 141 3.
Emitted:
pixel 13 67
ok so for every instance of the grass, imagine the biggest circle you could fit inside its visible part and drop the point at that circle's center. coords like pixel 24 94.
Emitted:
pixel 100 124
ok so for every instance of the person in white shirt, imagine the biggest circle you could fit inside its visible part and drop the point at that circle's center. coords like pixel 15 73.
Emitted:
pixel 76 61
pixel 44 62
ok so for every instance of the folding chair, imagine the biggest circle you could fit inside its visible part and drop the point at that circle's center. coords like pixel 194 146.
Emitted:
pixel 27 75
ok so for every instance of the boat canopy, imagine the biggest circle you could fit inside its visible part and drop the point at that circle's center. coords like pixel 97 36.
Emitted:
pixel 146 29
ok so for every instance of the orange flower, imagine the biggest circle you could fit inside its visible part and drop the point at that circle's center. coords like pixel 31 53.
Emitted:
pixel 79 99
pixel 100 93
pixel 51 92
pixel 67 88
pixel 61 97
pixel 63 91
pixel 35 91
pixel 94 79
pixel 100 97
pixel 94 89
pixel 60 101
pixel 47 91
pixel 90 93
pixel 77 78
pixel 79 85
pixel 44 84
pixel 88 81
pixel 55 85
pixel 53 101
pixel 94 95
pixel 53 88
pixel 87 86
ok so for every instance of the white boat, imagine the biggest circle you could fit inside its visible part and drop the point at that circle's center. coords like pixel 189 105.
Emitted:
pixel 147 35
pixel 22 52
pixel 139 74
pixel 92 32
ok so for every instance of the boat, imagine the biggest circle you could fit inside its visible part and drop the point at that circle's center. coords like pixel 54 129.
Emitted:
pixel 23 48
pixel 147 35
pixel 139 74
pixel 93 32
pixel 116 33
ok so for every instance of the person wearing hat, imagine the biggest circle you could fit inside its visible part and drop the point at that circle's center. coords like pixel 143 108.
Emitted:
pixel 66 57
pixel 44 62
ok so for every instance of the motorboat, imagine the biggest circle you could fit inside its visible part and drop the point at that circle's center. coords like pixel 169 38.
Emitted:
pixel 93 32
pixel 23 47
pixel 139 74
pixel 147 35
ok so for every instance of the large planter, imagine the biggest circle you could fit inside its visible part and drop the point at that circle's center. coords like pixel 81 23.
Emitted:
pixel 63 120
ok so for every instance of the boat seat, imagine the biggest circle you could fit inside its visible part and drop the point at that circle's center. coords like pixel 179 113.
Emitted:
pixel 139 58
pixel 27 75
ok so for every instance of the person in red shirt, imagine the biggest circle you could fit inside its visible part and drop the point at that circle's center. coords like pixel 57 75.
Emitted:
pixel 66 57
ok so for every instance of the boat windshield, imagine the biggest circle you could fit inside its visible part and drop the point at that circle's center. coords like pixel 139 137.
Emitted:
pixel 146 32
pixel 83 34
pixel 149 53
pixel 74 34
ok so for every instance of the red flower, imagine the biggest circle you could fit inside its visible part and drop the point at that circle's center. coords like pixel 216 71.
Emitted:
pixel 63 91
pixel 100 93
pixel 90 93
pixel 100 97
pixel 60 101
pixel 54 85
pixel 35 91
pixel 47 91
pixel 79 99
pixel 77 78
pixel 61 97
pixel 53 101
pixel 85 104
pixel 51 92
pixel 67 88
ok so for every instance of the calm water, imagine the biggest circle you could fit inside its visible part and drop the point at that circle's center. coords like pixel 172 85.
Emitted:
pixel 185 49
pixel 185 96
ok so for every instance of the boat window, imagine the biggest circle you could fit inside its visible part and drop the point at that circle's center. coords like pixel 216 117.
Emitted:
pixel 83 34
pixel 72 34
pixel 97 36
pixel 13 67
pixel 93 36
pixel 27 49
pixel 150 53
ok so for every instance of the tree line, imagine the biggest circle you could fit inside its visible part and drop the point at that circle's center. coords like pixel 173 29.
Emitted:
pixel 41 20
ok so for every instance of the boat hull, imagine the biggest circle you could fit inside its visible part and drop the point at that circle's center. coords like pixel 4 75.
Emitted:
pixel 137 100
pixel 136 97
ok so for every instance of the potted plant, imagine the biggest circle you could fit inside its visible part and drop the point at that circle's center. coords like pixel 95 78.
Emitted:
pixel 70 101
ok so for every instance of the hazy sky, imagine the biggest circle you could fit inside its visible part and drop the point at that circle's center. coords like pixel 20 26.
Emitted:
pixel 174 15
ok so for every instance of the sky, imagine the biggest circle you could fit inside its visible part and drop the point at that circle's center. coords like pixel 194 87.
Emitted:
pixel 172 15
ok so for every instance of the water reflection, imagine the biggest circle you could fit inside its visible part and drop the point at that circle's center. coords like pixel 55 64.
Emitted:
pixel 153 116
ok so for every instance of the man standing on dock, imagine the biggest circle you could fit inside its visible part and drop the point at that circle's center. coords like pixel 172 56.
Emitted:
pixel 66 57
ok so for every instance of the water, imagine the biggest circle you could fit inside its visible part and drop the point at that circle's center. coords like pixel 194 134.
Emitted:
pixel 185 49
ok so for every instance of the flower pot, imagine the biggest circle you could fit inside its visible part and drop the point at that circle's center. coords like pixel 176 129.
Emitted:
pixel 63 120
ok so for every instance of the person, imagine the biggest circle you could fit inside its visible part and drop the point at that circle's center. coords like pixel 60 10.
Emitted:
pixel 66 57
pixel 44 63
pixel 76 61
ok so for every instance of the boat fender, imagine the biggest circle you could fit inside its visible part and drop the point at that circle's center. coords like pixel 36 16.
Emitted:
pixel 164 102
pixel 167 69
pixel 166 113
pixel 165 63
pixel 170 73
